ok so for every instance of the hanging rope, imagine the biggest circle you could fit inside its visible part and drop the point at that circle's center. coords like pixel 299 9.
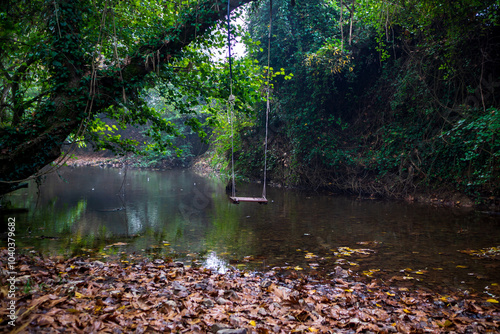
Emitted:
pixel 231 96
pixel 268 107
pixel 232 99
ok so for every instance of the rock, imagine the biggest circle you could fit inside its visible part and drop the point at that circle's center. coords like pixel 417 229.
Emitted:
pixel 232 331
pixel 266 283
pixel 208 302
pixel 97 263
pixel 201 286
pixel 222 301
pixel 232 295
pixel 339 272
pixel 389 329
pixel 177 287
pixel 218 327
pixel 171 303
pixel 235 321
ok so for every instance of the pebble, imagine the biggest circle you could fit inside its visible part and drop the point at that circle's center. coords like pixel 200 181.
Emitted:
pixel 233 331
pixel 217 327
pixel 208 303
pixel 222 301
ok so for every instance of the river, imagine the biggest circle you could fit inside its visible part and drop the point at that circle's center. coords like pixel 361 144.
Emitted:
pixel 178 214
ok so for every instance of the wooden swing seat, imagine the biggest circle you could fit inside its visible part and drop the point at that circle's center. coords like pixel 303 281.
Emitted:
pixel 234 199
pixel 237 200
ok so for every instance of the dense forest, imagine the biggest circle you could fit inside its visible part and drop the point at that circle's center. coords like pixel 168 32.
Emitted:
pixel 375 98
pixel 387 98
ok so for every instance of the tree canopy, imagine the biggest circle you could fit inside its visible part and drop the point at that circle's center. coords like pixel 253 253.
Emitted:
pixel 64 62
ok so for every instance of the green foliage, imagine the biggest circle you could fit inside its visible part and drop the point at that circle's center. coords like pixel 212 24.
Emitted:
pixel 306 44
pixel 229 121
pixel 472 152
pixel 66 64
pixel 329 57
pixel 407 99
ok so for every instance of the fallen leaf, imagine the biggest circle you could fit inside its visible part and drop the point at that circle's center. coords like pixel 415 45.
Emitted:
pixel 445 324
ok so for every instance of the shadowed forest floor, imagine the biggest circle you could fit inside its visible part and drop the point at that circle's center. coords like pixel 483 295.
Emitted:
pixel 85 295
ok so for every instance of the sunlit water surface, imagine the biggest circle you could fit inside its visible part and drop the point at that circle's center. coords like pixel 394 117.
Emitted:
pixel 187 217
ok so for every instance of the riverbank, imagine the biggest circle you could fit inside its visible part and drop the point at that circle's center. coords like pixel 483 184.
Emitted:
pixel 105 159
pixel 79 295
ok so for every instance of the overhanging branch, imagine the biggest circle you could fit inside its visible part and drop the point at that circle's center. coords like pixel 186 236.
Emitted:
pixel 192 24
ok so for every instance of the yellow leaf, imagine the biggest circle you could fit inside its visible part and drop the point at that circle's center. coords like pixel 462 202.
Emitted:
pixel 447 323
pixel 494 284
pixel 298 268
pixel 348 290
pixel 492 301
pixel 79 295
pixel 460 266
pixel 406 311
pixel 314 330
pixel 419 273
pixel 378 305
pixel 252 323
pixel 390 294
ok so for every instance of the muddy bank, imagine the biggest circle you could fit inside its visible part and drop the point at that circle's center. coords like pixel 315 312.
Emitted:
pixel 106 160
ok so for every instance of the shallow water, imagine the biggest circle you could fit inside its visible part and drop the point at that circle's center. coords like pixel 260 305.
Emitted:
pixel 188 217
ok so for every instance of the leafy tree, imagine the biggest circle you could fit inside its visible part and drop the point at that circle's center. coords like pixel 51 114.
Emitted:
pixel 387 97
pixel 63 63
pixel 306 41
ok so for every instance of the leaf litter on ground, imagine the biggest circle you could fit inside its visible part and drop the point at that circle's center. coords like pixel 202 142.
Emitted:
pixel 85 295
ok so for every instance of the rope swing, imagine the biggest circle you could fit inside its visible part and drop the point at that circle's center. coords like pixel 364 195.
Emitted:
pixel 234 199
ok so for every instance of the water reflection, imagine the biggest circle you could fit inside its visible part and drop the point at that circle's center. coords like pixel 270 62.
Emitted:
pixel 181 214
